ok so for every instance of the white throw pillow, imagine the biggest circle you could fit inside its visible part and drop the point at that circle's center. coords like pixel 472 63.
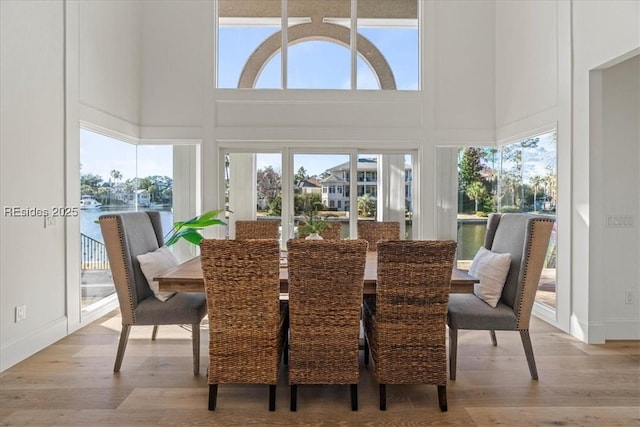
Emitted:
pixel 155 263
pixel 491 269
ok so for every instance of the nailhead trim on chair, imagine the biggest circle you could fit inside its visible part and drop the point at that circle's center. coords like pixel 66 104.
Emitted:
pixel 527 298
pixel 123 258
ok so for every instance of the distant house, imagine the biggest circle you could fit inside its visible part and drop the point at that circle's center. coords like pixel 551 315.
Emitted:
pixel 308 186
pixel 144 198
pixel 335 186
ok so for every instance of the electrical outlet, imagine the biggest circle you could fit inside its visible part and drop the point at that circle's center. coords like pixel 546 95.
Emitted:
pixel 628 297
pixel 21 313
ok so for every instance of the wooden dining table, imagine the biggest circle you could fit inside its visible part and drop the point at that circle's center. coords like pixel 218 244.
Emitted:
pixel 187 277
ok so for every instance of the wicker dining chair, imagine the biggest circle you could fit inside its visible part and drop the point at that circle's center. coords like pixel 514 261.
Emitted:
pixel 331 231
pixel 325 296
pixel 526 238
pixel 127 235
pixel 405 331
pixel 267 229
pixel 247 323
pixel 374 231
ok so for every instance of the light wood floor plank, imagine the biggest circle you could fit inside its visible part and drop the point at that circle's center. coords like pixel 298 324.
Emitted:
pixel 564 416
pixel 71 383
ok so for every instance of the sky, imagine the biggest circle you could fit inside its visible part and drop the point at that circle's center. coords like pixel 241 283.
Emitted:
pixel 101 154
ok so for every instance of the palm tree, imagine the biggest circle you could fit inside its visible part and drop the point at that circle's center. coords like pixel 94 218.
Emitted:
pixel 535 182
pixel 116 175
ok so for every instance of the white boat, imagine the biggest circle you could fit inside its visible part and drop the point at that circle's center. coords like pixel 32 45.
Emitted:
pixel 88 202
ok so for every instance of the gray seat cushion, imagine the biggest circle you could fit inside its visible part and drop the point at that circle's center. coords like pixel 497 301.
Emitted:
pixel 467 311
pixel 183 308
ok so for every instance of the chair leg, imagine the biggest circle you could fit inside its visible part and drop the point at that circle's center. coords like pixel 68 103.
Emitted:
pixel 122 345
pixel 366 351
pixel 294 397
pixel 494 340
pixel 453 352
pixel 286 349
pixel 195 338
pixel 442 397
pixel 213 394
pixel 154 333
pixel 383 396
pixel 272 397
pixel 528 351
pixel 354 396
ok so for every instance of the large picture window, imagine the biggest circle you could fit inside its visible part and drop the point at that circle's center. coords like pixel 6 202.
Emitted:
pixel 517 177
pixel 286 186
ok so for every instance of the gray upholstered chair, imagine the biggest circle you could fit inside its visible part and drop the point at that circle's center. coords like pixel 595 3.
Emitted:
pixel 526 238
pixel 127 235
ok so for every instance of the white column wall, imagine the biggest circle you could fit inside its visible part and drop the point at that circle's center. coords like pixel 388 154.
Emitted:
pixel 616 192
pixel 32 161
pixel 617 35
pixel 109 64
pixel 543 78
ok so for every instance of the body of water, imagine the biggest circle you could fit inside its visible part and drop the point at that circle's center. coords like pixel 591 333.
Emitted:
pixel 89 226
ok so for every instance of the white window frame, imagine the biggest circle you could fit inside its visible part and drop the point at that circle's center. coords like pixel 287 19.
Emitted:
pixel 289 149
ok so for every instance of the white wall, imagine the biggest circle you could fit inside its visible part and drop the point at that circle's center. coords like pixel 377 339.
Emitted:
pixel 615 191
pixel 32 160
pixel 603 31
pixel 460 72
pixel 526 66
pixel 110 64
pixel 173 56
pixel 535 88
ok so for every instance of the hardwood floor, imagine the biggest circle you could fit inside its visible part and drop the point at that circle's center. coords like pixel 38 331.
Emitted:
pixel 71 383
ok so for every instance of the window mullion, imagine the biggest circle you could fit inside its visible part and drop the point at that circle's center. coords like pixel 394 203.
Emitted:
pixel 354 47
pixel 284 26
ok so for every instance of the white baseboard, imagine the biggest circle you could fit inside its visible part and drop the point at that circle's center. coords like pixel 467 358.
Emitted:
pixel 591 332
pixel 623 329
pixel 18 350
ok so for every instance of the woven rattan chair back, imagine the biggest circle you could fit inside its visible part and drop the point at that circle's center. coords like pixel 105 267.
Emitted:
pixel 246 322
pixel 373 231
pixel 332 231
pixel 267 229
pixel 325 297
pixel 405 324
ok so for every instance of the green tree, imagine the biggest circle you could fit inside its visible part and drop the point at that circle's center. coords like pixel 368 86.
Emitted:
pixel 116 175
pixel 470 167
pixel 275 207
pixel 91 180
pixel 366 206
pixel 103 193
pixel 536 181
pixel 301 175
pixel 268 185
pixel 305 203
pixel 477 192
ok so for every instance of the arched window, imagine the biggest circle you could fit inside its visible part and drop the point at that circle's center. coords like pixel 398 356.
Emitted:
pixel 318 49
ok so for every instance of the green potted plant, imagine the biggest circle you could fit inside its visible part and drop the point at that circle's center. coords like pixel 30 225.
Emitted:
pixel 190 230
pixel 313 224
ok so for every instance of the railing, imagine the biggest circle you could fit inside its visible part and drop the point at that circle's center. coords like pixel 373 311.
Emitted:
pixel 94 254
